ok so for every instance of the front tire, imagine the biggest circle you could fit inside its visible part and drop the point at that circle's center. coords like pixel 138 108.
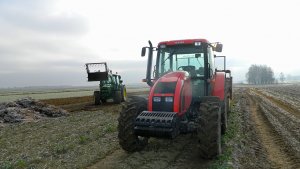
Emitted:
pixel 209 129
pixel 97 97
pixel 127 139
pixel 103 100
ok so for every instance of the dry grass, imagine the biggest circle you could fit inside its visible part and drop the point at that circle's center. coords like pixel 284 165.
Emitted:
pixel 67 142
pixel 70 100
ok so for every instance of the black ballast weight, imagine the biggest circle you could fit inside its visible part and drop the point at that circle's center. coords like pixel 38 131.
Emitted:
pixel 157 124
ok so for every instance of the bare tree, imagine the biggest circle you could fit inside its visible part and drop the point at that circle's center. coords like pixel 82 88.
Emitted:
pixel 260 74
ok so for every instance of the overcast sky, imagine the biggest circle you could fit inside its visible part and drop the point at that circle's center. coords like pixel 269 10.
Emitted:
pixel 48 42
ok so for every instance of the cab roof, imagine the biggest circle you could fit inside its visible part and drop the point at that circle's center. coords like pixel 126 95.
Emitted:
pixel 184 41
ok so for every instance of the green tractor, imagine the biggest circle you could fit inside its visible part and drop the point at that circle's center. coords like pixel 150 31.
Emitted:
pixel 111 85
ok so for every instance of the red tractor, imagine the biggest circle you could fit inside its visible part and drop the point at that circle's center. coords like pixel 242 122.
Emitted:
pixel 187 95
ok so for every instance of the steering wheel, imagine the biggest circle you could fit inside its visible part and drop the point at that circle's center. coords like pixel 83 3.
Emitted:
pixel 187 68
pixel 181 67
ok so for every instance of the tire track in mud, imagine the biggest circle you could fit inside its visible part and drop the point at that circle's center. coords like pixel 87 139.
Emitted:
pixel 160 153
pixel 284 122
pixel 281 102
pixel 248 149
pixel 276 148
pixel 181 153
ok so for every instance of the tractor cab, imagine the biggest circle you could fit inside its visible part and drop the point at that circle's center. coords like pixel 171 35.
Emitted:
pixel 193 56
pixel 185 58
pixel 193 59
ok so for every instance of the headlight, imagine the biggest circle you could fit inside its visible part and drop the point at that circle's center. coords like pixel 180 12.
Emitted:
pixel 169 99
pixel 156 99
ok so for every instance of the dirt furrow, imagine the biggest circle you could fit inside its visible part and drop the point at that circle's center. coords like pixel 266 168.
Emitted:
pixel 285 118
pixel 248 151
pixel 274 144
pixel 290 105
pixel 291 141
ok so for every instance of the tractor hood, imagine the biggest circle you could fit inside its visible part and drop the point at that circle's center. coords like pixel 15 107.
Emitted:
pixel 174 76
pixel 166 91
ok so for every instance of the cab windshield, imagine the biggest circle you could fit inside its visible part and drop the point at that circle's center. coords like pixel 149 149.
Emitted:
pixel 189 58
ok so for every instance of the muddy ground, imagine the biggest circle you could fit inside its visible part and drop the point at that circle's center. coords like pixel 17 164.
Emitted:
pixel 178 153
pixel 263 133
pixel 270 131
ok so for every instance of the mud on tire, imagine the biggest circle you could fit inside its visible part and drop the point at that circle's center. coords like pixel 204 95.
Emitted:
pixel 117 97
pixel 209 129
pixel 127 139
pixel 224 115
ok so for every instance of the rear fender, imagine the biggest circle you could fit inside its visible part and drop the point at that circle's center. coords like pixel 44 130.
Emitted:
pixel 218 85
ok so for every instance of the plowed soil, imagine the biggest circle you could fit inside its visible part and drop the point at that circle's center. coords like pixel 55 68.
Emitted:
pixel 275 126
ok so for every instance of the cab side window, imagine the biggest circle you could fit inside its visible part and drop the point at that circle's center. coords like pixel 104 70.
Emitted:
pixel 211 62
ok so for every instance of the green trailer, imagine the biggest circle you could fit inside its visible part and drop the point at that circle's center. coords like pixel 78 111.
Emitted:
pixel 111 85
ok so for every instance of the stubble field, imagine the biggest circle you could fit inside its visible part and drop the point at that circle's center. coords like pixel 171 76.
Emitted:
pixel 263 133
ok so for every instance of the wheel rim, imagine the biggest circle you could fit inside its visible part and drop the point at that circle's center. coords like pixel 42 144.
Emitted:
pixel 124 94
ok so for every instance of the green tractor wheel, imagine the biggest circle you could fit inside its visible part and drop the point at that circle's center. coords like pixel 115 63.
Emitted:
pixel 117 97
pixel 97 97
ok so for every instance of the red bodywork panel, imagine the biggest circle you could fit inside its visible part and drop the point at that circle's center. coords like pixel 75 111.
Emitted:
pixel 218 85
pixel 182 89
pixel 185 41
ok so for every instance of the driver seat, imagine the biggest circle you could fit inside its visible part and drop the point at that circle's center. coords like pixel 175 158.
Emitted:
pixel 191 70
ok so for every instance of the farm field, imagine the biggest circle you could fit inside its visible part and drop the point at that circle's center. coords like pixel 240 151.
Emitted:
pixel 272 133
pixel 263 133
pixel 7 95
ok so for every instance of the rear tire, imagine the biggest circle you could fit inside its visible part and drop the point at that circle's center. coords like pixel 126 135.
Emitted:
pixel 224 116
pixel 117 97
pixel 209 129
pixel 229 105
pixel 127 139
pixel 97 97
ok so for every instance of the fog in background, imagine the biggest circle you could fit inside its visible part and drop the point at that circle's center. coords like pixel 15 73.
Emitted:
pixel 47 43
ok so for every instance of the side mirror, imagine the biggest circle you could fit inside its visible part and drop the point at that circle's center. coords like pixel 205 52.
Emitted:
pixel 219 47
pixel 143 51
pixel 121 81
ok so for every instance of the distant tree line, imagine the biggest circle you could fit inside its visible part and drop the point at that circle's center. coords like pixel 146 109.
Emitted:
pixel 260 74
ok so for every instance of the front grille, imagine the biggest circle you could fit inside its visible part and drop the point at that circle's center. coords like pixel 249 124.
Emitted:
pixel 162 105
pixel 157 124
